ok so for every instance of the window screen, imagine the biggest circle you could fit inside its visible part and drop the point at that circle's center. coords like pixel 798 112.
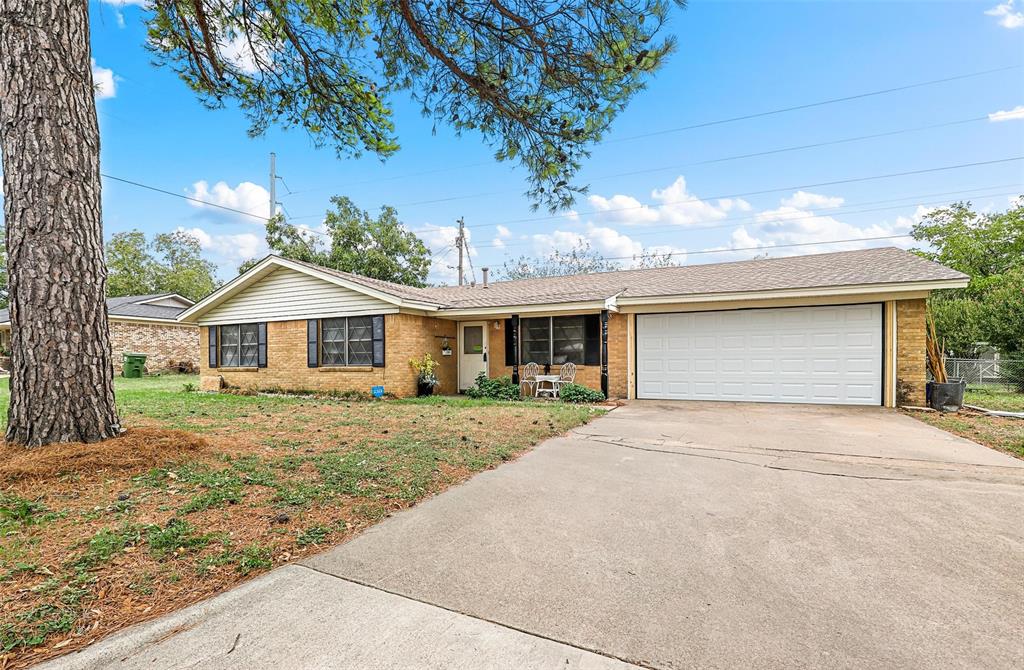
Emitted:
pixel 332 335
pixel 567 340
pixel 229 339
pixel 347 341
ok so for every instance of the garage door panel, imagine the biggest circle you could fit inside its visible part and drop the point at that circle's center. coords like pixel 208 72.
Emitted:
pixel 805 354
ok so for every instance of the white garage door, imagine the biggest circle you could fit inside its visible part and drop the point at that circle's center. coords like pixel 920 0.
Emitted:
pixel 830 355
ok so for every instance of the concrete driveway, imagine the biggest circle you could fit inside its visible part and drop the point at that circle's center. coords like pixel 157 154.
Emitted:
pixel 665 535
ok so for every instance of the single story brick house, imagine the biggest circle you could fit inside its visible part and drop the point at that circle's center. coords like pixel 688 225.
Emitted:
pixel 146 324
pixel 837 328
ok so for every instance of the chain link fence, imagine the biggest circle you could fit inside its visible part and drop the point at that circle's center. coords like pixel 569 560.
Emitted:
pixel 1008 373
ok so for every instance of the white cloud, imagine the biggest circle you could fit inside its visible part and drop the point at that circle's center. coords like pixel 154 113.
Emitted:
pixel 805 200
pixel 1008 18
pixel 125 3
pixel 228 251
pixel 503 232
pixel 246 197
pixel 673 204
pixel 1007 115
pixel 103 81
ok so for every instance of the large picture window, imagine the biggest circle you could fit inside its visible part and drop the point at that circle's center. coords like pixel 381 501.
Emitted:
pixel 553 340
pixel 239 345
pixel 347 341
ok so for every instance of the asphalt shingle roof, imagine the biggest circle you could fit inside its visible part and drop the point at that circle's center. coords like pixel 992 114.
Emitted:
pixel 868 266
pixel 884 265
pixel 129 306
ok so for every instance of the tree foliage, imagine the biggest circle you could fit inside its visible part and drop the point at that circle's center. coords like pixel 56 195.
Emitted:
pixel 171 263
pixel 990 248
pixel 355 241
pixel 539 80
pixel 581 259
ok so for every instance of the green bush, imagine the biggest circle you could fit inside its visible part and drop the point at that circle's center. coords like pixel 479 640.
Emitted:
pixel 577 393
pixel 499 388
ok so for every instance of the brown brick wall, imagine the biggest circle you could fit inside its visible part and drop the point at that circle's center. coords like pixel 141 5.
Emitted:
pixel 910 352
pixel 405 336
pixel 165 344
pixel 585 375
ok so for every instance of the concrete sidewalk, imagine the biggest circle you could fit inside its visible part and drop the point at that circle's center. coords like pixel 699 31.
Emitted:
pixel 666 535
pixel 296 617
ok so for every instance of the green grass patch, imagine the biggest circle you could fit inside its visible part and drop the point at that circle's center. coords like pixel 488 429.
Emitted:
pixel 994 397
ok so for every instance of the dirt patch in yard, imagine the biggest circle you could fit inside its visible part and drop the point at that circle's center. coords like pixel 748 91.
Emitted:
pixel 207 491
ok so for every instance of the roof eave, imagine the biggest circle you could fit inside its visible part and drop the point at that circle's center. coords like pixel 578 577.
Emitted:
pixel 842 290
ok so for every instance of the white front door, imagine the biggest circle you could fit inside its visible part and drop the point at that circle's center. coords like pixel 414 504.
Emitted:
pixel 472 352
pixel 830 355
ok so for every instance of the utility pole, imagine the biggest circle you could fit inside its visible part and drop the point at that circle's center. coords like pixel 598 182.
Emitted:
pixel 460 242
pixel 273 184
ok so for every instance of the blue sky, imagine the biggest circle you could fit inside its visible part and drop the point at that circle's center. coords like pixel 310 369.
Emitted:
pixel 649 193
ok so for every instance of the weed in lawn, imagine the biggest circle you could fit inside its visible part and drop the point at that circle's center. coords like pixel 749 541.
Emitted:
pixel 253 557
pixel 313 535
pixel 219 487
pixel 176 535
pixel 106 544
pixel 33 627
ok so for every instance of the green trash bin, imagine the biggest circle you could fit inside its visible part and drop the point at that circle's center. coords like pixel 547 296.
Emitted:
pixel 134 365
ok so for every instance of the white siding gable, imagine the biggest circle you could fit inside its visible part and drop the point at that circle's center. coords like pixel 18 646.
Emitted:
pixel 286 295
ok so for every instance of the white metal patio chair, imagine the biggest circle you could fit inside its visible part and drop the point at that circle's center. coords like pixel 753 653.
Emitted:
pixel 529 377
pixel 566 375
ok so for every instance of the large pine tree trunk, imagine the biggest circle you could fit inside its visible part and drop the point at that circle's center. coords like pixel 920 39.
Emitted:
pixel 62 374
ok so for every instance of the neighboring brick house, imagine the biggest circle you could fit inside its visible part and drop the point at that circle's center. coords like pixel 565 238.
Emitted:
pixel 145 324
pixel 840 328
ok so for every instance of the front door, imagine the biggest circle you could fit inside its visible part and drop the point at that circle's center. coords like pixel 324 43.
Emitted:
pixel 472 352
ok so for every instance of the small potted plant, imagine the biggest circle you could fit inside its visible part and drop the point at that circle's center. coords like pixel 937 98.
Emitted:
pixel 426 380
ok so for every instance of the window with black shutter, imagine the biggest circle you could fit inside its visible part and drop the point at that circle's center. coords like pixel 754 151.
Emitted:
pixel 352 341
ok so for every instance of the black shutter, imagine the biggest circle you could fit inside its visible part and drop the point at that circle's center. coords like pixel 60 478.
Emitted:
pixel 312 343
pixel 213 346
pixel 592 339
pixel 261 355
pixel 378 341
pixel 510 342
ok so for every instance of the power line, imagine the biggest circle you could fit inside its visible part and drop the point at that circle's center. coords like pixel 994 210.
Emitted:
pixel 750 193
pixel 801 147
pixel 716 122
pixel 809 105
pixel 183 197
pixel 207 203
pixel 786 219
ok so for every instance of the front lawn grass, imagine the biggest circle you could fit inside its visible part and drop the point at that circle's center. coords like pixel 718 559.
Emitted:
pixel 86 550
pixel 994 397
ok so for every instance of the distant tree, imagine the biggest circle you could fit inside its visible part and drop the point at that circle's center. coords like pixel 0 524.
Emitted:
pixel 581 259
pixel 354 241
pixel 172 263
pixel 650 259
pixel 129 264
pixel 989 247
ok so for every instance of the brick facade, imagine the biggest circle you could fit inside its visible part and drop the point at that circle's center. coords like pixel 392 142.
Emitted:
pixel 406 336
pixel 165 344
pixel 587 375
pixel 911 374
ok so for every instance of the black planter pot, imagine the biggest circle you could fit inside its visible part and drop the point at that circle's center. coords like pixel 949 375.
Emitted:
pixel 424 389
pixel 948 397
